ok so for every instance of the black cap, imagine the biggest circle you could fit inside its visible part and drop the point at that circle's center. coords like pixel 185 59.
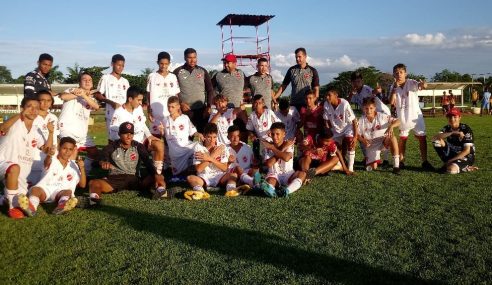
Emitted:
pixel 126 128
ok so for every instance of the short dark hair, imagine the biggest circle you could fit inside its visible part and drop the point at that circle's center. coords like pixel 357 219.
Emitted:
pixel 188 51
pixel 210 128
pixel 355 75
pixel 219 97
pixel 82 73
pixel 301 49
pixel 277 125
pixel 133 92
pixel 67 140
pixel 284 103
pixel 233 128
pixel 399 66
pixel 117 57
pixel 262 60
pixel 172 100
pixel 45 56
pixel 27 99
pixel 332 90
pixel 326 134
pixel 257 97
pixel 163 55
pixel 368 101
pixel 46 92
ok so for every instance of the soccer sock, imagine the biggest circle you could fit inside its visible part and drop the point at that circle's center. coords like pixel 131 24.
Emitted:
pixel 386 153
pixel 63 199
pixel 294 185
pixel 88 165
pixel 34 201
pixel 230 186
pixel 94 196
pixel 198 188
pixel 396 161
pixel 247 179
pixel 351 159
pixel 10 194
pixel 158 166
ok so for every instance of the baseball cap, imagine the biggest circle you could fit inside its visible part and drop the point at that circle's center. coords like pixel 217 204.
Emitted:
pixel 453 112
pixel 230 58
pixel 126 128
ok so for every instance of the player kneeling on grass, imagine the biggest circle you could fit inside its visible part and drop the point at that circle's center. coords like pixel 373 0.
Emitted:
pixel 123 158
pixel 454 145
pixel 58 182
pixel 211 163
pixel 324 153
pixel 376 134
pixel 241 159
pixel 281 179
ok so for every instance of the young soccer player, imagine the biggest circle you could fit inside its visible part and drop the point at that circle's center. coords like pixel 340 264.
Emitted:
pixel 290 117
pixel 376 134
pixel 223 117
pixel 211 163
pixel 340 118
pixel 454 145
pixel 59 181
pixel 112 88
pixel 404 97
pixel 37 80
pixel 20 135
pixel 360 91
pixel 76 109
pixel 131 111
pixel 281 179
pixel 311 117
pixel 161 85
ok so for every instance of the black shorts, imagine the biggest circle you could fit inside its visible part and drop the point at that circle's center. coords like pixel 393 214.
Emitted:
pixel 123 182
pixel 464 163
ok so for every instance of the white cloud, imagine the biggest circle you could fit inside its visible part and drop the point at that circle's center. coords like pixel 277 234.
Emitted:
pixel 426 40
pixel 341 63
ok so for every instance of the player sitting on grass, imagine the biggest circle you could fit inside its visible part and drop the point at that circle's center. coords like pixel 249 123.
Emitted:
pixel 340 118
pixel 376 134
pixel 324 154
pixel 58 182
pixel 211 163
pixel 223 117
pixel 454 145
pixel 242 158
pixel 123 158
pixel 281 179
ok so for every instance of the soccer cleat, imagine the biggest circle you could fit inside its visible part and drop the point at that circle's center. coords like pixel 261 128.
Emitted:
pixel 268 190
pixel 241 190
pixel 282 192
pixel 26 206
pixel 257 178
pixel 402 165
pixel 396 170
pixel 427 166
pixel 385 164
pixel 232 193
pixel 162 193
pixel 66 206
pixel 196 195
pixel 16 213
pixel 87 202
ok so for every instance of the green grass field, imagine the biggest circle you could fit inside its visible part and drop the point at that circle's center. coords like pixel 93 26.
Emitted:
pixel 374 228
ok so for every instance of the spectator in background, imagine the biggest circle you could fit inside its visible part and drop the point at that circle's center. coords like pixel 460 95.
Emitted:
pixel 452 100
pixel 445 103
pixel 37 80
pixel 474 97
pixel 485 102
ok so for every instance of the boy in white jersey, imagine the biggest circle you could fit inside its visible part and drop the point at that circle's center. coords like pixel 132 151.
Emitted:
pixel 59 181
pixel 74 118
pixel 131 111
pixel 281 179
pixel 177 129
pixel 376 134
pixel 161 85
pixel 223 117
pixel 340 118
pixel 360 91
pixel 19 137
pixel 290 117
pixel 211 162
pixel 404 97
pixel 112 88
pixel 45 103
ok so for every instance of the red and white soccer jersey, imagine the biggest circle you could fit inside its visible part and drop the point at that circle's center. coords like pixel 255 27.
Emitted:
pixel 244 157
pixel 115 90
pixel 223 123
pixel 374 132
pixel 76 112
pixel 261 126
pixel 340 118
pixel 408 108
pixel 312 147
pixel 366 92
pixel 160 88
pixel 312 121
pixel 290 121
pixel 137 118
pixel 58 178
pixel 17 147
pixel 281 170
pixel 211 174
pixel 177 133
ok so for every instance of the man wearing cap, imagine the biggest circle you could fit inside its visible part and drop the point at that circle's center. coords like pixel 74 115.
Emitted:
pixel 454 145
pixel 122 158
pixel 196 90
pixel 37 80
pixel 261 82
pixel 303 78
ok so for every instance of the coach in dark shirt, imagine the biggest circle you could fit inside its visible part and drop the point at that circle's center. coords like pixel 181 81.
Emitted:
pixel 37 80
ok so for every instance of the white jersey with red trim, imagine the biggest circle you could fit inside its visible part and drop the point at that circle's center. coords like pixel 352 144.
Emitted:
pixel 375 129
pixel 223 123
pixel 75 112
pixel 38 155
pixel 114 89
pixel 340 117
pixel 58 178
pixel 160 88
pixel 137 118
pixel 211 170
pixel 407 103
pixel 261 126
pixel 178 131
pixel 244 157
pixel 280 166
pixel 290 121
pixel 366 92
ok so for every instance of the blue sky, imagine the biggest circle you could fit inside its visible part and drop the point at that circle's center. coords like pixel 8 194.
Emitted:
pixel 426 35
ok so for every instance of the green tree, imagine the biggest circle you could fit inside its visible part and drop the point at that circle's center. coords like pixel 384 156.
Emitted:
pixel 5 75
pixel 416 77
pixel 146 71
pixel 73 74
pixel 96 72
pixel 56 75
pixel 447 76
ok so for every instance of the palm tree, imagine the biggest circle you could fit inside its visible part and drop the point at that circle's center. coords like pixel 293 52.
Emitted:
pixel 56 76
pixel 73 74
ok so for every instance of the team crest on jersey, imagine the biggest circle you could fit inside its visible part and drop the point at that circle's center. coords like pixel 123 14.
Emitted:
pixel 181 127
pixel 87 107
pixel 217 158
pixel 164 84
pixel 199 75
pixel 34 143
pixel 245 159
pixel 133 156
pixel 307 75
pixel 238 75
pixel 265 124
pixel 171 84
pixel 69 177
pixel 268 81
pixel 124 87
pixel 44 127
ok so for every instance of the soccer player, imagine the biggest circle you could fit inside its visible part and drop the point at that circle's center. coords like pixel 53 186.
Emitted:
pixel 454 145
pixel 360 91
pixel 211 163
pixel 112 89
pixel 376 134
pixel 123 158
pixel 37 80
pixel 340 118
pixel 312 117
pixel 261 83
pixel 281 179
pixel 20 135
pixel 161 85
pixel 223 117
pixel 404 97
pixel 76 109
pixel 177 129
pixel 290 117
pixel 59 181
pixel 131 111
